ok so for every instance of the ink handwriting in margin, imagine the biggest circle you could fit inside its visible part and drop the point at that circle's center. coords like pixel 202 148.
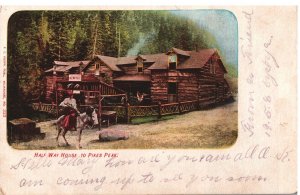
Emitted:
pixel 155 169
pixel 270 83
pixel 248 124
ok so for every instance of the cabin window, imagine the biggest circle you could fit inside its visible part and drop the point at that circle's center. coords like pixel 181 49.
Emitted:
pixel 140 66
pixel 172 88
pixel 54 70
pixel 97 67
pixel 212 68
pixel 172 62
pixel 102 74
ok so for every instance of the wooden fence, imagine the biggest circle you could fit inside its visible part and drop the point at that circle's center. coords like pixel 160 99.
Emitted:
pixel 127 112
pixel 49 108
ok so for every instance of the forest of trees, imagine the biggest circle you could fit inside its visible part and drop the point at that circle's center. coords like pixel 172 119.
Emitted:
pixel 37 38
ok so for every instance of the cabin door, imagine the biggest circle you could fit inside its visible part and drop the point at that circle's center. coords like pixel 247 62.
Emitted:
pixel 172 92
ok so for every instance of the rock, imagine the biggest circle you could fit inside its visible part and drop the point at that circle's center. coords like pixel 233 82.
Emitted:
pixel 112 135
pixel 23 129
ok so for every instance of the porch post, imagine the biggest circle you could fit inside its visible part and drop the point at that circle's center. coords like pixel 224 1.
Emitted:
pixel 54 82
pixel 159 110
pixel 99 110
pixel 179 108
pixel 56 99
pixel 127 111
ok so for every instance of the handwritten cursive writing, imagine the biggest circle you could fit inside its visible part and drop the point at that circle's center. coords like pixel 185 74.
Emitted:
pixel 270 64
pixel 248 123
pixel 32 164
pixel 246 46
pixel 158 168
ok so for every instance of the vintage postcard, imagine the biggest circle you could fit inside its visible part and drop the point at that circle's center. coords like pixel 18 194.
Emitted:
pixel 148 100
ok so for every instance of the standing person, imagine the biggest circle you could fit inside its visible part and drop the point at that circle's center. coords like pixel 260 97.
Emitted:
pixel 140 96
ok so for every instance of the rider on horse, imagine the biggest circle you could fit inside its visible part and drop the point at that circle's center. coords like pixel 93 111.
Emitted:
pixel 69 112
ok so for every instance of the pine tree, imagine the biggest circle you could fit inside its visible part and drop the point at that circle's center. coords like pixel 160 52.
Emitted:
pixel 37 38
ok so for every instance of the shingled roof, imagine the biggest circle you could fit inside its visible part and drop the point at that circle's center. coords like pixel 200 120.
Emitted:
pixel 179 51
pixel 63 66
pixel 197 59
pixel 192 60
pixel 160 61
pixel 71 63
pixel 111 62
pixel 137 77
pixel 60 69
pixel 126 60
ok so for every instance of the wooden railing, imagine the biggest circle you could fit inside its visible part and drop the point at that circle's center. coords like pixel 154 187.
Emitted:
pixel 171 108
pixel 127 112
pixel 120 110
pixel 139 111
pixel 106 89
pixel 49 108
pixel 189 106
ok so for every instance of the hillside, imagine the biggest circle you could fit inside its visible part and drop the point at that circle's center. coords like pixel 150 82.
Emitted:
pixel 37 38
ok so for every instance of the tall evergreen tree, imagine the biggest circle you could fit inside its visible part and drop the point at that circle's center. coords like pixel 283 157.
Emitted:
pixel 37 38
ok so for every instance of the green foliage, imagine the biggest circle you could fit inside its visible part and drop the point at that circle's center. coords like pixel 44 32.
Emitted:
pixel 231 70
pixel 37 38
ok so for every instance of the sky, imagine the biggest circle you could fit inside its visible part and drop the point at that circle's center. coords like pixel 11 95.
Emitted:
pixel 223 25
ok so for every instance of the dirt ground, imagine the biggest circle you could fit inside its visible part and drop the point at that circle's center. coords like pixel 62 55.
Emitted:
pixel 214 128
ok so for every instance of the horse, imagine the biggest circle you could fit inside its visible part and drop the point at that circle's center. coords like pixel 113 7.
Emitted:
pixel 82 120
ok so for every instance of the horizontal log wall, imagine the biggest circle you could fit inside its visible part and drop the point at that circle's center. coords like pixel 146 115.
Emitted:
pixel 213 87
pixel 91 70
pixel 159 86
pixel 129 69
pixel 187 85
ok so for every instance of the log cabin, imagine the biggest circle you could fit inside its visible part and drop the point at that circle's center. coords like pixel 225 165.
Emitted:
pixel 174 76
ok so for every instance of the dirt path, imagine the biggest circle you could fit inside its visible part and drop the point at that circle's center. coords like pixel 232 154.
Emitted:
pixel 199 129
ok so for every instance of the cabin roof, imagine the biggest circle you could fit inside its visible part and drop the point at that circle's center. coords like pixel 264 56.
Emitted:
pixel 160 61
pixel 126 60
pixel 62 66
pixel 141 57
pixel 60 69
pixel 159 58
pixel 197 59
pixel 179 51
pixel 71 63
pixel 111 62
pixel 136 77
pixel 192 60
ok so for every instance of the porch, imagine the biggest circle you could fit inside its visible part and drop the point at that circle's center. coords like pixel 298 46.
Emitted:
pixel 137 88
